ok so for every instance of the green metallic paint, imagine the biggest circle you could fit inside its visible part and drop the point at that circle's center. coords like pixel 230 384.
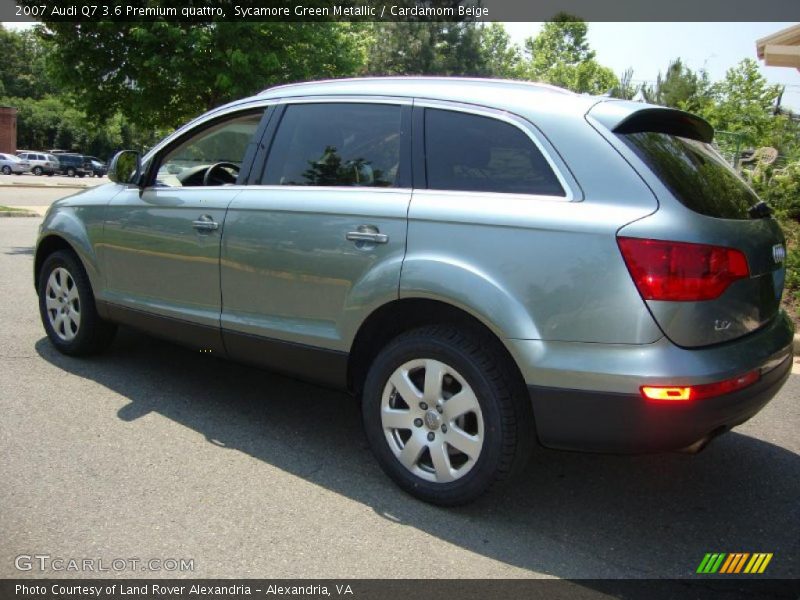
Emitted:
pixel 289 273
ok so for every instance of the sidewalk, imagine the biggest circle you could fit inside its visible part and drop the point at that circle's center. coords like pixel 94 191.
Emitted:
pixel 48 183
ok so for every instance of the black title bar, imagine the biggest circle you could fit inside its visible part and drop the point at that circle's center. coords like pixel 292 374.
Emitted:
pixel 398 10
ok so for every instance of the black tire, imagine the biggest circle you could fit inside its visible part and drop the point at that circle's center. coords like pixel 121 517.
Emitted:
pixel 508 431
pixel 37 171
pixel 6 170
pixel 93 334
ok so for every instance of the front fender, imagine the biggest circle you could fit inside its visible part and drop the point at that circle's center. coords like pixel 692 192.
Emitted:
pixel 79 231
pixel 468 288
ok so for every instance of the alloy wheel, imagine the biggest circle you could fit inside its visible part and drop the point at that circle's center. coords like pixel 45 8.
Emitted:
pixel 63 304
pixel 432 420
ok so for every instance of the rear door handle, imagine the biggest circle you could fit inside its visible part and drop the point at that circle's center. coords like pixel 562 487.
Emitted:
pixel 367 233
pixel 205 223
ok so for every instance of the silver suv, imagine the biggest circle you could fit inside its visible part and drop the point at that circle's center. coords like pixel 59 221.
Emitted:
pixel 485 264
pixel 40 162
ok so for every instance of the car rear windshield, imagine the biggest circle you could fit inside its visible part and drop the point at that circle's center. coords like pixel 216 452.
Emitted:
pixel 695 173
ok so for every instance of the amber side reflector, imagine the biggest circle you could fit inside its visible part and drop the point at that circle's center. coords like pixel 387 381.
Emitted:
pixel 698 392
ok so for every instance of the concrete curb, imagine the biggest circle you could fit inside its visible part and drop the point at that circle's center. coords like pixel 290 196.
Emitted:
pixel 18 213
pixel 57 186
pixel 797 344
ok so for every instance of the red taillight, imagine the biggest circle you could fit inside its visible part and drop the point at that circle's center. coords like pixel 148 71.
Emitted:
pixel 665 270
pixel 698 392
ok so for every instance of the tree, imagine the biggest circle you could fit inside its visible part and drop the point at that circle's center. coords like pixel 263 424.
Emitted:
pixel 501 58
pixel 625 89
pixel 743 103
pixel 425 48
pixel 680 87
pixel 158 74
pixel 561 55
pixel 24 70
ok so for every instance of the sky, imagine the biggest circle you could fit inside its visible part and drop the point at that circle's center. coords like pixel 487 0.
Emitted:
pixel 647 48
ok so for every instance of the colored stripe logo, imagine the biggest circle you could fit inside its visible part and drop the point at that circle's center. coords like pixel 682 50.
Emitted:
pixel 733 563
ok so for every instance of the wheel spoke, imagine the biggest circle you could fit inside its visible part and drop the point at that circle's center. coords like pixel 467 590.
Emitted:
pixel 441 462
pixel 69 333
pixel 72 295
pixel 57 322
pixel 434 373
pixel 463 442
pixel 411 451
pixel 463 402
pixel 52 303
pixel 62 280
pixel 53 284
pixel 405 387
pixel 393 418
pixel 75 317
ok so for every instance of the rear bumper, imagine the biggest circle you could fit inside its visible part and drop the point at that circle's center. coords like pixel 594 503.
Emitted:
pixel 629 424
pixel 586 396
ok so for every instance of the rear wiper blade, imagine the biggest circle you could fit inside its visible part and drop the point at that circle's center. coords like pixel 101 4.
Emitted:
pixel 760 210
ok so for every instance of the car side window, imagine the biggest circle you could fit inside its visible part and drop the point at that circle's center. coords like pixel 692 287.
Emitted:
pixel 224 142
pixel 336 144
pixel 468 152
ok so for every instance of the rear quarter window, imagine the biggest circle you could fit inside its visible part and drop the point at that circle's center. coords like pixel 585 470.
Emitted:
pixel 695 173
pixel 468 152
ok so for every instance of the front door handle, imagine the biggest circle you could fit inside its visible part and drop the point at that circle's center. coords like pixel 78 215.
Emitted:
pixel 367 233
pixel 205 223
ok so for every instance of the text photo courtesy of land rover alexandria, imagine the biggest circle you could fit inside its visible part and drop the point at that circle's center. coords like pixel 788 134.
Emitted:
pixel 485 265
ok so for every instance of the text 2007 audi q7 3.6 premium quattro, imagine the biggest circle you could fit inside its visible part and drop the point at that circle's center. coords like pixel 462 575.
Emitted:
pixel 486 265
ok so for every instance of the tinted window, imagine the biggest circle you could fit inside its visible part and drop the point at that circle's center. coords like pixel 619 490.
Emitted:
pixel 337 145
pixel 474 153
pixel 693 171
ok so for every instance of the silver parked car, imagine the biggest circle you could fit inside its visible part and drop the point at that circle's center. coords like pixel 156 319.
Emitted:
pixel 485 264
pixel 12 164
pixel 40 162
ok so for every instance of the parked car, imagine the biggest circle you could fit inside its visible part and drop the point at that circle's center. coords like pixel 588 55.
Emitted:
pixel 40 162
pixel 72 165
pixel 94 166
pixel 13 164
pixel 484 264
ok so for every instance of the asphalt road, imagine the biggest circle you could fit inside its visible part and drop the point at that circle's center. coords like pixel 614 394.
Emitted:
pixel 155 452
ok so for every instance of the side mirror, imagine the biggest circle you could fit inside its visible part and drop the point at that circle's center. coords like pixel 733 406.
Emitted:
pixel 125 167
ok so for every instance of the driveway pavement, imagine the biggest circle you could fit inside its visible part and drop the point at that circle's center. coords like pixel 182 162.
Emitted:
pixel 152 451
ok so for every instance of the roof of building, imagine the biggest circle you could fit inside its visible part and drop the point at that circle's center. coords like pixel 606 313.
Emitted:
pixel 781 49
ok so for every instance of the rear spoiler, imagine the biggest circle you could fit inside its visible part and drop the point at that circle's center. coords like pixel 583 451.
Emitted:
pixel 634 117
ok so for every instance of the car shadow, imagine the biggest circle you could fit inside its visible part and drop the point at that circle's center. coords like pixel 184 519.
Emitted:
pixel 572 515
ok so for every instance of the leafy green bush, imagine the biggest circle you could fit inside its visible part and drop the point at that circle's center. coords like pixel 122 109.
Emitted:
pixel 780 188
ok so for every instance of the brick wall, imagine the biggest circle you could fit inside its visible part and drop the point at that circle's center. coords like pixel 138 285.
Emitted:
pixel 8 129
